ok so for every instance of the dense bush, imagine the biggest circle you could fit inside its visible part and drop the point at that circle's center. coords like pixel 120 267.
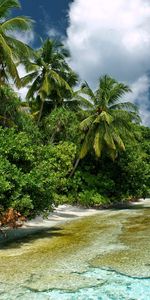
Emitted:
pixel 92 199
pixel 30 173
pixel 9 106
pixel 128 177
pixel 62 125
pixel 34 176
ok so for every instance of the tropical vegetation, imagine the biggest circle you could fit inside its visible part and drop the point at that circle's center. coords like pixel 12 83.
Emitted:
pixel 65 142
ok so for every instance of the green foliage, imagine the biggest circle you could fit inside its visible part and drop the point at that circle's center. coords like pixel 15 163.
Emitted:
pixel 60 199
pixel 12 50
pixel 109 121
pixel 9 106
pixel 62 125
pixel 17 148
pixel 134 172
pixel 36 162
pixel 92 199
pixel 50 77
pixel 30 174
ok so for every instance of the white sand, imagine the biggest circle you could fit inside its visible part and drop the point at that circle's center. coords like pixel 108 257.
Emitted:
pixel 60 215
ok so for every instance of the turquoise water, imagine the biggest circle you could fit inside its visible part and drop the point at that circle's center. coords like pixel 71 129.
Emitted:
pixel 102 257
pixel 110 286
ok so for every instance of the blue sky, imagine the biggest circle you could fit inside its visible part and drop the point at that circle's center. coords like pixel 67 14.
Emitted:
pixel 48 14
pixel 104 37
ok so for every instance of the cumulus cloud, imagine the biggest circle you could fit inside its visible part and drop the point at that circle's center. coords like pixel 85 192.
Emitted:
pixel 113 38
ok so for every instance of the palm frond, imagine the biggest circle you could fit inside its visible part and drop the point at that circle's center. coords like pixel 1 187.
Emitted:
pixel 7 54
pixel 104 117
pixel 60 81
pixel 111 122
pixel 85 124
pixel 30 66
pixel 17 23
pixel 47 50
pixel 106 82
pixel 5 47
pixel 28 78
pixel 86 144
pixel 20 50
pixel 83 102
pixel 97 144
pixel 45 86
pixel 125 116
pixel 84 149
pixel 117 91
pixel 85 89
pixel 109 139
pixel 112 153
pixel 6 5
pixel 125 105
pixel 34 88
pixel 118 141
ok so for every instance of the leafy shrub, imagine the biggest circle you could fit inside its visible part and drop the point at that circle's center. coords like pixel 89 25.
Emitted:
pixel 9 105
pixel 30 174
pixel 64 199
pixel 62 125
pixel 92 199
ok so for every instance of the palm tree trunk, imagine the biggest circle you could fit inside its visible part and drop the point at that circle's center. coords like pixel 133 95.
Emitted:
pixel 40 113
pixel 75 166
pixel 56 130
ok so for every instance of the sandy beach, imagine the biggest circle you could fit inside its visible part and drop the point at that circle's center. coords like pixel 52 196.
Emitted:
pixel 60 215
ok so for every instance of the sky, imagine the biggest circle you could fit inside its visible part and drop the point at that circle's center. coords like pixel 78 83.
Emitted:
pixel 103 36
pixel 50 16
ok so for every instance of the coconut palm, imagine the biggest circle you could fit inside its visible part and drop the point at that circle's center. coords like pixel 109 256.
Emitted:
pixel 50 76
pixel 109 121
pixel 11 49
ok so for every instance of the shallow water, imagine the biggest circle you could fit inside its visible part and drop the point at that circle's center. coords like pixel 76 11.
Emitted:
pixel 104 256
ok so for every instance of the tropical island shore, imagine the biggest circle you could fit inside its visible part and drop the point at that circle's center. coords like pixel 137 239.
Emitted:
pixel 60 215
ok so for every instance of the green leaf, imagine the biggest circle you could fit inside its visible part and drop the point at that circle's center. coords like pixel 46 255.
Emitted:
pixel 6 5
pixel 84 149
pixel 97 144
pixel 109 139
pixel 17 23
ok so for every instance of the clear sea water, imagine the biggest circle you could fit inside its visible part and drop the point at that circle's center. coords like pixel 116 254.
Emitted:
pixel 102 257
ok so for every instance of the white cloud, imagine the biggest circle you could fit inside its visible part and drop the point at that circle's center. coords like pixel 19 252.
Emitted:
pixel 26 37
pixel 53 33
pixel 111 37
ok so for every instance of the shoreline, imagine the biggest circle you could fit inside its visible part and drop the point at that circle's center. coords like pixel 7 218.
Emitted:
pixel 61 215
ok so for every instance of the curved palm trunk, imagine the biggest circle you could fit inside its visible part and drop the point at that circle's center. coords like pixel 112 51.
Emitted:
pixel 56 130
pixel 75 166
pixel 40 113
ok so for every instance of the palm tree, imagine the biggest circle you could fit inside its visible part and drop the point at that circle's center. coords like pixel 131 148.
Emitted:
pixel 50 76
pixel 11 49
pixel 109 121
